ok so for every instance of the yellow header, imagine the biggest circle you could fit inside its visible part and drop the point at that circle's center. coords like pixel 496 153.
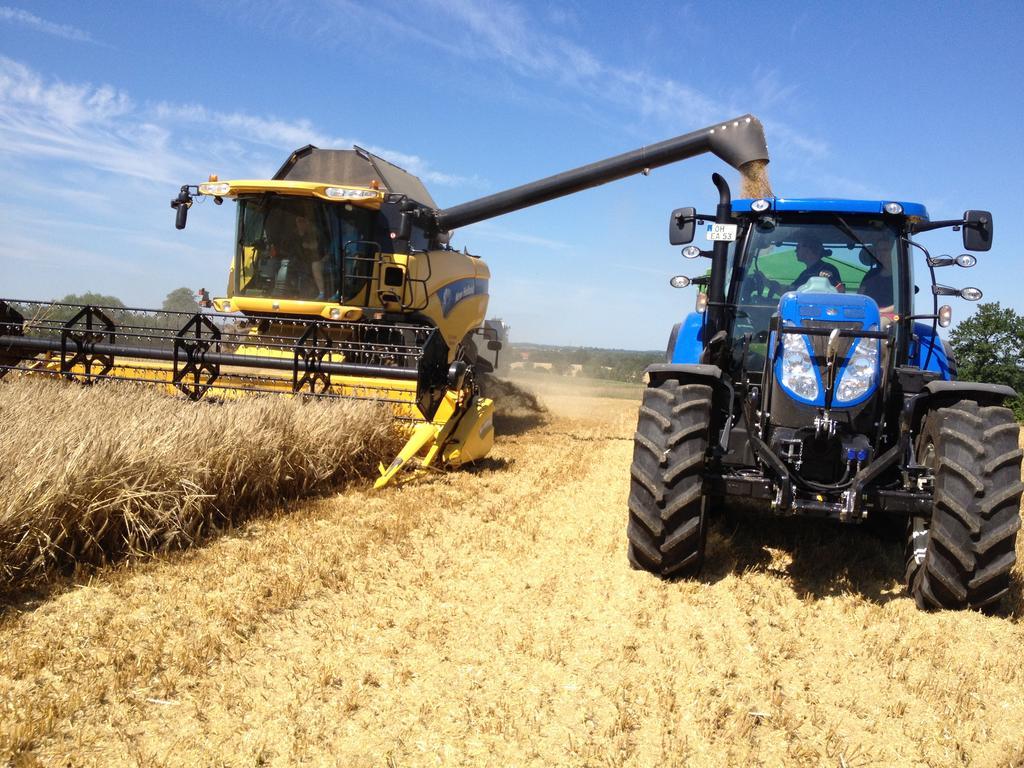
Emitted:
pixel 361 196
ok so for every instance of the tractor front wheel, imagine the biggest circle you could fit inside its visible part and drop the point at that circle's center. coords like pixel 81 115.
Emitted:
pixel 962 557
pixel 667 507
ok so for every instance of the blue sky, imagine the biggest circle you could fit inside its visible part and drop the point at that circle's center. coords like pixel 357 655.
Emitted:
pixel 106 108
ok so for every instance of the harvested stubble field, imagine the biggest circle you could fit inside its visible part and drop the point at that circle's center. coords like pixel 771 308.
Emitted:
pixel 488 617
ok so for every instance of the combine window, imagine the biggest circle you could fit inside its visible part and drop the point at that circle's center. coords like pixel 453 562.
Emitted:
pixel 307 249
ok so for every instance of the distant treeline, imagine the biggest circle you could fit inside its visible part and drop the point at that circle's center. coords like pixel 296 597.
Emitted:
pixel 179 300
pixel 613 364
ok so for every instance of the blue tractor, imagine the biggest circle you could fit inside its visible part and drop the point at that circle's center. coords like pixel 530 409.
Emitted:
pixel 804 384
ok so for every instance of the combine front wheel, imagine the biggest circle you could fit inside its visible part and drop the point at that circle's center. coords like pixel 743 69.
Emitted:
pixel 962 558
pixel 667 509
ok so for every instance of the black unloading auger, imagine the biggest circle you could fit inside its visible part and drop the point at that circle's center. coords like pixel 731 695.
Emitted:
pixel 398 342
pixel 739 142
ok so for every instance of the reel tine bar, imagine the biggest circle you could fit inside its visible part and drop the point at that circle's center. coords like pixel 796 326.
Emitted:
pixel 191 344
pixel 314 345
pixel 88 327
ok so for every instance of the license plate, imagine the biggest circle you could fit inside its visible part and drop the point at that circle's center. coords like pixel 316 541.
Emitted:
pixel 725 232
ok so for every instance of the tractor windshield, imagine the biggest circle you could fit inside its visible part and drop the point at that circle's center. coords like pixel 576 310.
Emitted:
pixel 304 248
pixel 829 254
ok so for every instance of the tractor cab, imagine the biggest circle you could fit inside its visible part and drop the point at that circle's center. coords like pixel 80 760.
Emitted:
pixel 789 254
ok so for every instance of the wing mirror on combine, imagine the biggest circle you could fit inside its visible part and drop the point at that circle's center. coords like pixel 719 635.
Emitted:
pixel 181 204
pixel 977 230
pixel 682 226
pixel 964 260
pixel 404 226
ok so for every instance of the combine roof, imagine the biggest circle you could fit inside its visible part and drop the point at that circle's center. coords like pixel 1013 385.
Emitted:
pixel 832 205
pixel 353 167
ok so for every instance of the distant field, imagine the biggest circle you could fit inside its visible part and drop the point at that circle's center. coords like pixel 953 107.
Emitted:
pixel 489 617
pixel 550 383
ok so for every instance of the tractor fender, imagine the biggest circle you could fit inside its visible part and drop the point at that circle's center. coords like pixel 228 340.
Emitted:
pixel 929 348
pixel 993 394
pixel 694 373
pixel 672 339
pixel 685 373
pixel 938 394
pixel 686 343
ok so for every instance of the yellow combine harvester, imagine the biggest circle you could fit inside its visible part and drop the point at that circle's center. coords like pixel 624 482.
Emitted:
pixel 342 285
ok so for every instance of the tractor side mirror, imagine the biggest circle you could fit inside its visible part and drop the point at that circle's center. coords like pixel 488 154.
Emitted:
pixel 682 226
pixel 977 230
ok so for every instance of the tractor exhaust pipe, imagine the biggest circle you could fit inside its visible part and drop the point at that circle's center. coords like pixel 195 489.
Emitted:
pixel 719 259
pixel 739 142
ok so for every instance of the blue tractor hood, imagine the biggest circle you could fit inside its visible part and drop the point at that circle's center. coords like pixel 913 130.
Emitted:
pixel 800 363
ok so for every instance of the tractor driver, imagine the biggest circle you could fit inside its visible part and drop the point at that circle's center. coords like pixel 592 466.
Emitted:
pixel 878 282
pixel 811 252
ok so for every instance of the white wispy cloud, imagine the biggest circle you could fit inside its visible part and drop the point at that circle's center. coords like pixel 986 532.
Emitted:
pixel 30 20
pixel 86 124
pixel 531 47
pixel 102 127
pixel 289 134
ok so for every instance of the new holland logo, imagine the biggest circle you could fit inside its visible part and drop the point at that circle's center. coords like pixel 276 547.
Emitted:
pixel 455 292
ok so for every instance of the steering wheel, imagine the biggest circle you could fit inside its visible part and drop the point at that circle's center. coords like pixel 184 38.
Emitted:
pixel 761 287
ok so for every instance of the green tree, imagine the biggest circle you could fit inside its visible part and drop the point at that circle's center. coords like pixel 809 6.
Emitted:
pixel 989 347
pixel 96 299
pixel 180 300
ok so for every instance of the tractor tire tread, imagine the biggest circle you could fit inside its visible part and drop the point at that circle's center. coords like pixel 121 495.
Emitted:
pixel 666 529
pixel 660 419
pixel 971 538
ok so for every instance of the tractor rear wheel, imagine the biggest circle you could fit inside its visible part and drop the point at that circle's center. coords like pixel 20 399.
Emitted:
pixel 667 508
pixel 962 557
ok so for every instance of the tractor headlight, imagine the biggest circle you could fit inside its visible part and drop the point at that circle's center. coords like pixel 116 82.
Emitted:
pixel 798 374
pixel 860 373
